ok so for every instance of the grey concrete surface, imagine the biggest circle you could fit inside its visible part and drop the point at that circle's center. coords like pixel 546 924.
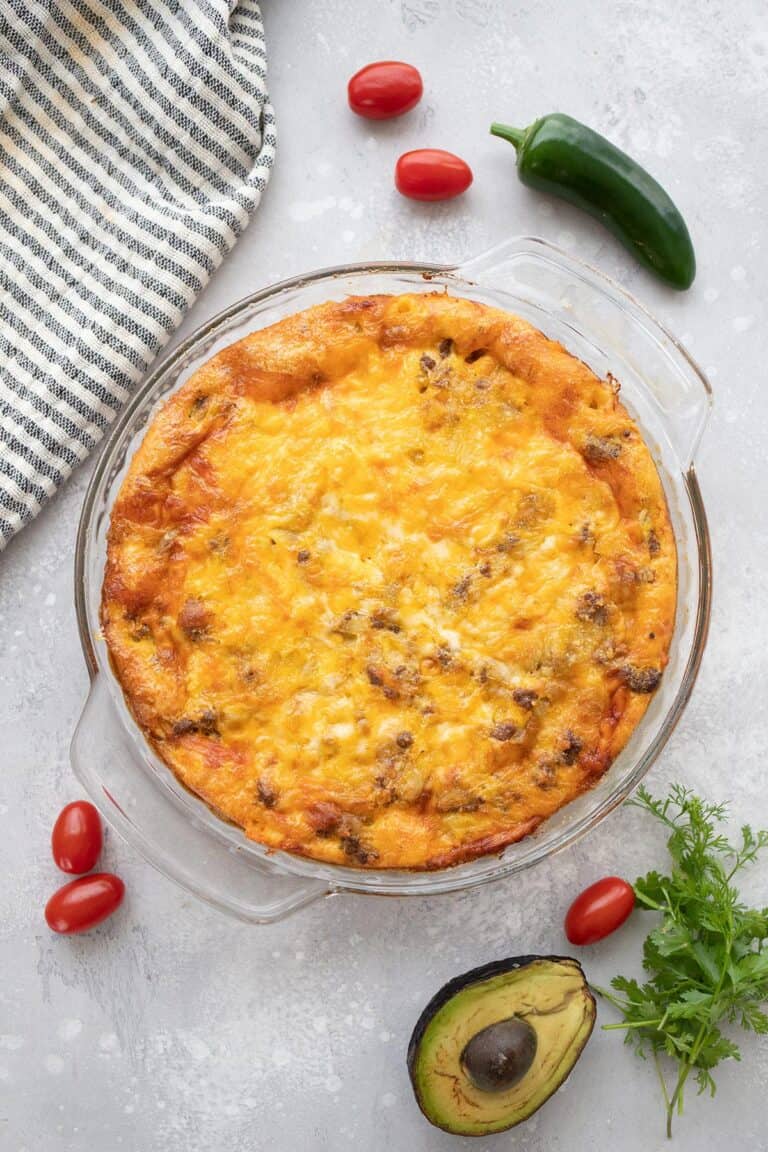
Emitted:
pixel 172 1028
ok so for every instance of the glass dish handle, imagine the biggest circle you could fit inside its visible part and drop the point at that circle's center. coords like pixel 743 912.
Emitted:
pixel 104 759
pixel 623 334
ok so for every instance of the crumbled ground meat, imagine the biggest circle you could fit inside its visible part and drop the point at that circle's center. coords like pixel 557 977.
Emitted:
pixel 350 832
pixel 194 619
pixel 444 656
pixel 206 723
pixel 325 817
pixel 592 608
pixel 359 852
pixel 268 795
pixel 461 588
pixel 445 348
pixel 385 619
pixel 184 726
pixel 600 449
pixel 572 748
pixel 403 682
pixel 458 800
pixel 525 698
pixel 209 723
pixel 504 731
pixel 545 776
pixel 642 680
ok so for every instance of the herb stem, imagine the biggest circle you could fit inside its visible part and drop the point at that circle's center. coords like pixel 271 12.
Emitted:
pixel 609 996
pixel 665 1094
pixel 632 1024
pixel 641 898
pixel 677 1096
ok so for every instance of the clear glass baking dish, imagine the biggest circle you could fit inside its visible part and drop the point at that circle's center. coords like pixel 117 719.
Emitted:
pixel 597 321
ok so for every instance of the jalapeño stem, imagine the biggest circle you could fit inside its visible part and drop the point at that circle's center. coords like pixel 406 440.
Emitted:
pixel 515 136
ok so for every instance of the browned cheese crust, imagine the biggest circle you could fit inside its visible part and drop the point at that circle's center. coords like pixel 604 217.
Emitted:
pixel 390 582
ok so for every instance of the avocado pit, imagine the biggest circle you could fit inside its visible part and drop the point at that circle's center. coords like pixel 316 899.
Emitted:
pixel 497 1057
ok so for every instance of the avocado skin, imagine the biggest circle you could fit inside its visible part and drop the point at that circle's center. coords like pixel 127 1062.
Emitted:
pixel 458 984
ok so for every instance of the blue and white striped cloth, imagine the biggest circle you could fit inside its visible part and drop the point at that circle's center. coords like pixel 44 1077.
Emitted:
pixel 136 138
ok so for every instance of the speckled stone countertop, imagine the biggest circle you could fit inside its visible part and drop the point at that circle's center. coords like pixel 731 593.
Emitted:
pixel 173 1028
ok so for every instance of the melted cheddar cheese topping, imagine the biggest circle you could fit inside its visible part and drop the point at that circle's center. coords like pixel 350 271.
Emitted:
pixel 390 582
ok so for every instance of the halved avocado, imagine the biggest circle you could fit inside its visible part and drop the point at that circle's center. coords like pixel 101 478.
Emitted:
pixel 448 1058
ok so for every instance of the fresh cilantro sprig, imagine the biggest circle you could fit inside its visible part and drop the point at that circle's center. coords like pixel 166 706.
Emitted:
pixel 708 958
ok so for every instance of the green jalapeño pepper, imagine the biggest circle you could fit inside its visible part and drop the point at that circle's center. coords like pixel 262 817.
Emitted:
pixel 559 155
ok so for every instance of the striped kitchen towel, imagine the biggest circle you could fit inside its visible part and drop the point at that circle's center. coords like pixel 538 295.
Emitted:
pixel 136 137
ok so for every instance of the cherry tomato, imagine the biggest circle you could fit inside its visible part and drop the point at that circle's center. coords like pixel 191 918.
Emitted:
pixel 599 910
pixel 383 90
pixel 431 174
pixel 76 837
pixel 85 902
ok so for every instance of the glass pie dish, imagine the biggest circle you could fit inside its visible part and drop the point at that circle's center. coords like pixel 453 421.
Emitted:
pixel 594 319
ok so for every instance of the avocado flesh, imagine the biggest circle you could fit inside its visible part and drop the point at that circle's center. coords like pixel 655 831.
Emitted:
pixel 551 994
